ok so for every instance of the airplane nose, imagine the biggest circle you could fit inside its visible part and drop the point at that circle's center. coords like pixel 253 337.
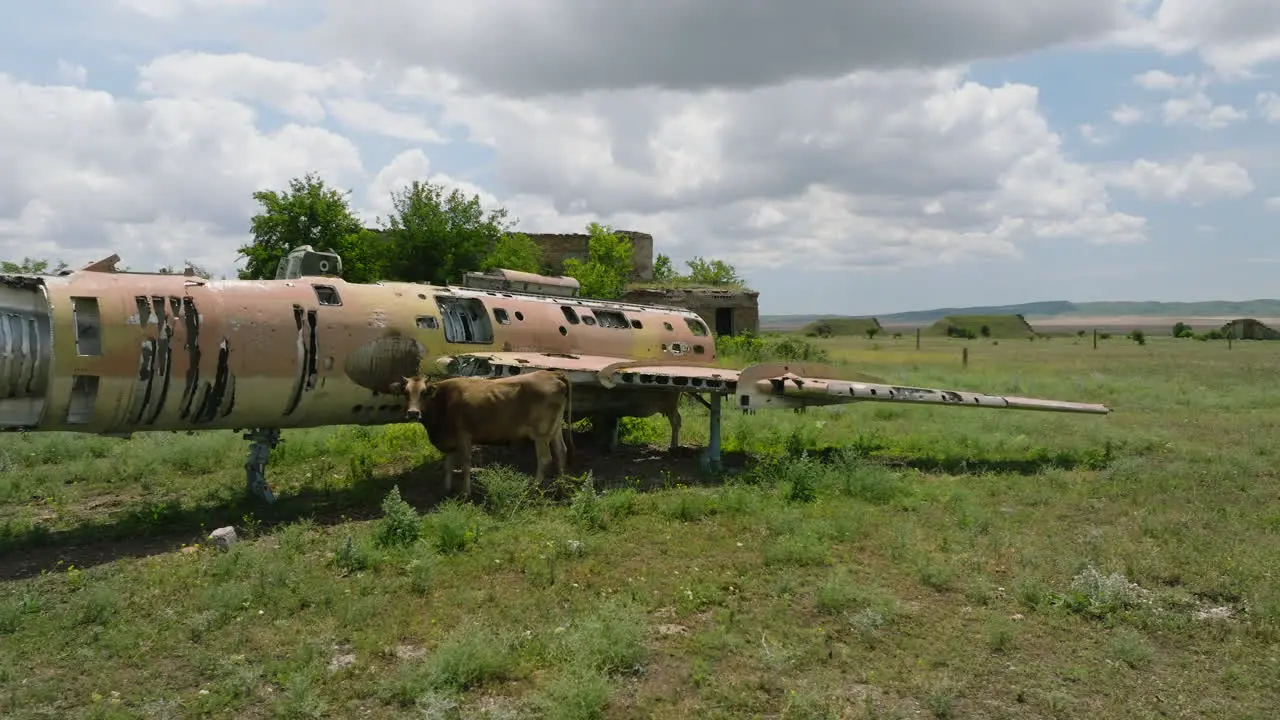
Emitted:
pixel 413 414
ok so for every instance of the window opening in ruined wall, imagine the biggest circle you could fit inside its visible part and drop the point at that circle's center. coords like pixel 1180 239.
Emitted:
pixel 465 320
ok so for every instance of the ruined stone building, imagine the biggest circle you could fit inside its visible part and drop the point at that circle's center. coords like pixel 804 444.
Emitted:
pixel 727 311
pixel 558 247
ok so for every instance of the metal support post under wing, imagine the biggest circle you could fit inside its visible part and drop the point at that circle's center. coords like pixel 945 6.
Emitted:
pixel 711 456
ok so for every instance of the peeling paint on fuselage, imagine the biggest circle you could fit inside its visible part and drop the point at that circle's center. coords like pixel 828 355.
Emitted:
pixel 117 353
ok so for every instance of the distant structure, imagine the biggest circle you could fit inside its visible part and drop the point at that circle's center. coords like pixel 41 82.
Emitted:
pixel 558 247
pixel 1249 329
pixel 727 311
pixel 975 326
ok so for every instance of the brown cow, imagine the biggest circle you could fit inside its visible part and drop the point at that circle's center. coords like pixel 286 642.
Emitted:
pixel 640 404
pixel 464 411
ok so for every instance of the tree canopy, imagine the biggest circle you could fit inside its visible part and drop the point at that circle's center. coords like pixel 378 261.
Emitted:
pixel 308 213
pixel 608 266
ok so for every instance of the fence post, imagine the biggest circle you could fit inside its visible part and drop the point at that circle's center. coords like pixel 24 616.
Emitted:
pixel 964 357
pixel 917 338
pixel 1095 338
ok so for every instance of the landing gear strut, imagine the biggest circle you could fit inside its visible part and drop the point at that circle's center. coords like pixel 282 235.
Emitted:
pixel 255 468
pixel 710 459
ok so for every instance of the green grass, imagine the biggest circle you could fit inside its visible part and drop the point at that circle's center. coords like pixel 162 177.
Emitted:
pixel 869 561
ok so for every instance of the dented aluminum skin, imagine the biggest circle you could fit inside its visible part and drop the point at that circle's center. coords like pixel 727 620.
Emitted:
pixel 100 351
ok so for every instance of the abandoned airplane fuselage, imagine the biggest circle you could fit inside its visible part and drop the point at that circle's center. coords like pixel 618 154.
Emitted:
pixel 117 353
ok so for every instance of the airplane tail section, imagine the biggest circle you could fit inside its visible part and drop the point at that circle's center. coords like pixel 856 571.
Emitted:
pixel 794 385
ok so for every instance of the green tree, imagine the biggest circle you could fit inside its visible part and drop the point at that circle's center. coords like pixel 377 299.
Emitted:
pixel 608 266
pixel 31 266
pixel 663 270
pixel 514 251
pixel 436 237
pixel 308 213
pixel 714 272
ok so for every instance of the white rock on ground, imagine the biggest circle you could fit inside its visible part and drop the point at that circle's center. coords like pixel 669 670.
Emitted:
pixel 223 537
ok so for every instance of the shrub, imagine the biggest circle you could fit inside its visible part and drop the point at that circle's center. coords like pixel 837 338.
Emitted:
pixel 400 524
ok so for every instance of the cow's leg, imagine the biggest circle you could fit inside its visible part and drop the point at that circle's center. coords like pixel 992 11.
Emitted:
pixel 674 419
pixel 609 427
pixel 540 448
pixel 450 461
pixel 560 452
pixel 466 469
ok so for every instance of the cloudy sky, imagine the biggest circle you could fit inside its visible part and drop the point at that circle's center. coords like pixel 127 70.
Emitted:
pixel 884 155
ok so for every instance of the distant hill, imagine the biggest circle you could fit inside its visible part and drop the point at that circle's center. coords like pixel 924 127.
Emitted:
pixel 1058 309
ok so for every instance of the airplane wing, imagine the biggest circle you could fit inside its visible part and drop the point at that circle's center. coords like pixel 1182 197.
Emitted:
pixel 581 368
pixel 792 385
pixel 764 386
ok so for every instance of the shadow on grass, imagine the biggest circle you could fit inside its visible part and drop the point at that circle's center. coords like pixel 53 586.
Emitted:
pixel 951 463
pixel 164 527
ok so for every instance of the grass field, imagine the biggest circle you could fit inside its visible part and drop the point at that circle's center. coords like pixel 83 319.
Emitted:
pixel 872 561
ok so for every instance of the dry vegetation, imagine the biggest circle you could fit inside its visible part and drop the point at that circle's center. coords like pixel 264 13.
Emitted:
pixel 870 561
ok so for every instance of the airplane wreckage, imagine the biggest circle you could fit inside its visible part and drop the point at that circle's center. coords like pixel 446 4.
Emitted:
pixel 108 352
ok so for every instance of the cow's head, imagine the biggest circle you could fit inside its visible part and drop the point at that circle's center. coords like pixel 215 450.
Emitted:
pixel 417 390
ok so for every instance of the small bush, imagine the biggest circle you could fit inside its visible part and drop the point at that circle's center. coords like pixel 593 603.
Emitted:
pixel 586 511
pixel 1096 595
pixel 355 555
pixel 609 641
pixel 470 659
pixel 400 524
pixel 453 526
pixel 506 491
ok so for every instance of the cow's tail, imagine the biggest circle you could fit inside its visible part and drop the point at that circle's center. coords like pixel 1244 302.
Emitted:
pixel 568 416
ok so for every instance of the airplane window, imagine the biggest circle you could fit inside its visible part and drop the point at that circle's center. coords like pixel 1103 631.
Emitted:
pixel 611 318
pixel 501 316
pixel 637 324
pixel 696 326
pixel 667 325
pixel 327 295
pixel 569 314
pixel 519 315
pixel 427 322
pixel 588 320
